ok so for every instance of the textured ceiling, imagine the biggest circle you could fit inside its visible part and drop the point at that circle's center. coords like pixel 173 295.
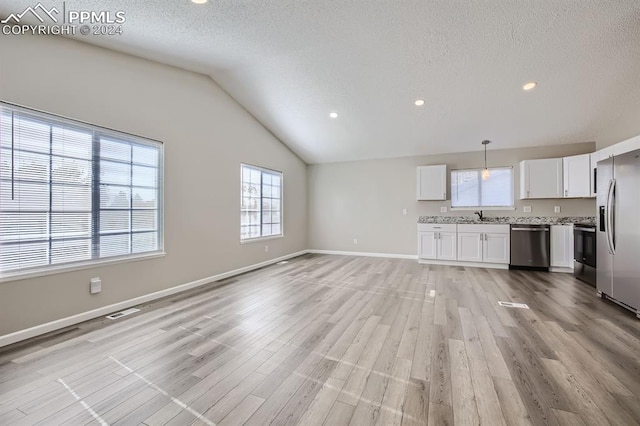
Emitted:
pixel 291 62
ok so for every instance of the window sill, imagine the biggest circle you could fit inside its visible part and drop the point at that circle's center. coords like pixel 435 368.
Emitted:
pixel 15 276
pixel 481 208
pixel 258 239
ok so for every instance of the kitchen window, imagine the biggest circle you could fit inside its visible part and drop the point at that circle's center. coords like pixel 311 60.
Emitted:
pixel 74 194
pixel 471 190
pixel 261 203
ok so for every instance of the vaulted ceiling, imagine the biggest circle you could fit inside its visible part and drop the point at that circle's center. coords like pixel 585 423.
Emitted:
pixel 291 63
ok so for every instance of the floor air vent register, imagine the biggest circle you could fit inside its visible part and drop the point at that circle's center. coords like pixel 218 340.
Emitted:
pixel 123 313
pixel 513 305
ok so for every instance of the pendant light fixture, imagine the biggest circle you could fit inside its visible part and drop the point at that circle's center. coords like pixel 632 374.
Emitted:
pixel 485 172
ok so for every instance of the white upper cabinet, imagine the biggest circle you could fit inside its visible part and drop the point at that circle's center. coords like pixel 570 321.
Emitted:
pixel 577 176
pixel 432 182
pixel 593 162
pixel 609 152
pixel 600 155
pixel 541 178
pixel 623 147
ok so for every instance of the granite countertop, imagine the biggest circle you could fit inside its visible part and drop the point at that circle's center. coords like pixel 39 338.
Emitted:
pixel 529 220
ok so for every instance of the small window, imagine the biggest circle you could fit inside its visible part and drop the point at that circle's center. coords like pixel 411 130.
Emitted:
pixel 73 193
pixel 470 189
pixel 260 203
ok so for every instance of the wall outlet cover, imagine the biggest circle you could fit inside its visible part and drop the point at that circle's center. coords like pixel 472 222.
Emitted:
pixel 355 241
pixel 556 209
pixel 526 209
pixel 404 211
pixel 443 209
pixel 95 285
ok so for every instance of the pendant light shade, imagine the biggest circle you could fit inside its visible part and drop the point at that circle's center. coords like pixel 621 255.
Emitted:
pixel 485 173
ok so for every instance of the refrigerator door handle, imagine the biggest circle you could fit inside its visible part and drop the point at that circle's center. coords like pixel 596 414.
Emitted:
pixel 610 218
pixel 612 214
pixel 606 217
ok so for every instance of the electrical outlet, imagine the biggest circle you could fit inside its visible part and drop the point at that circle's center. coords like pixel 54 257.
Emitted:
pixel 266 249
pixel 404 212
pixel 526 209
pixel 355 241
pixel 95 285
pixel 443 209
pixel 556 209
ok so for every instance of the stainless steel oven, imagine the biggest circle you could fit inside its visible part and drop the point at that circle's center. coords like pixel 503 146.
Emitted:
pixel 584 253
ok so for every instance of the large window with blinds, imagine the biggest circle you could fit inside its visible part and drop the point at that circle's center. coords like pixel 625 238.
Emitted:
pixel 479 188
pixel 73 193
pixel 261 203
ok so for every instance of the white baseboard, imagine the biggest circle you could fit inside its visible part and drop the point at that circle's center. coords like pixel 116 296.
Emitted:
pixel 461 263
pixel 37 330
pixel 365 254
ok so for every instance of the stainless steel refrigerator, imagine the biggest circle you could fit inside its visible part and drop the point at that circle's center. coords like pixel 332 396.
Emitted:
pixel 618 236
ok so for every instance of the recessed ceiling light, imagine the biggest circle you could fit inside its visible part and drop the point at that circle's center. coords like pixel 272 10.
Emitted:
pixel 419 102
pixel 199 1
pixel 529 86
pixel 333 115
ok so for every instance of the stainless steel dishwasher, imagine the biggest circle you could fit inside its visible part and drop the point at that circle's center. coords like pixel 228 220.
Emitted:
pixel 530 246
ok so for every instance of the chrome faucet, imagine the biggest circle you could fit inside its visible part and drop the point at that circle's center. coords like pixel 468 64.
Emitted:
pixel 480 216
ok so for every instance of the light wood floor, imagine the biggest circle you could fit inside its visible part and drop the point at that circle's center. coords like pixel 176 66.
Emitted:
pixel 341 340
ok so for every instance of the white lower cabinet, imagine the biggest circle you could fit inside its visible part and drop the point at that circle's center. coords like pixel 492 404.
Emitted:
pixel 496 247
pixel 562 246
pixel 437 242
pixel 484 243
pixel 470 246
pixel 446 245
pixel 427 245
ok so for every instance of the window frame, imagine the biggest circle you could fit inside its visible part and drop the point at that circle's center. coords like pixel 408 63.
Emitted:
pixel 262 170
pixel 480 169
pixel 97 133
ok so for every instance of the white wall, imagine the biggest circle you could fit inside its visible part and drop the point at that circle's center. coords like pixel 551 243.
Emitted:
pixel 206 134
pixel 622 128
pixel 365 199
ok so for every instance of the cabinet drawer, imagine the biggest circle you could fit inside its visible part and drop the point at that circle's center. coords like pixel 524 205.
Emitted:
pixel 436 227
pixel 494 229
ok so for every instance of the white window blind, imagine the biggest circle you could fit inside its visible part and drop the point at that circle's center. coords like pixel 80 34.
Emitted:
pixel 71 192
pixel 469 189
pixel 261 202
